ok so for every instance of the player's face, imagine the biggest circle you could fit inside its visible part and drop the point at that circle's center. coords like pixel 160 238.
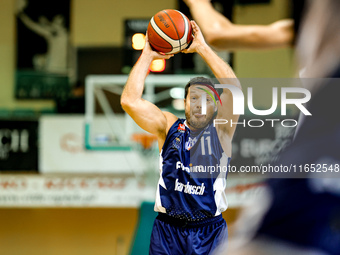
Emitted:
pixel 193 107
pixel 58 21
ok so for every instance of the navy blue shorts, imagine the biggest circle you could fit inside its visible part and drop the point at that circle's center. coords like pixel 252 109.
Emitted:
pixel 179 237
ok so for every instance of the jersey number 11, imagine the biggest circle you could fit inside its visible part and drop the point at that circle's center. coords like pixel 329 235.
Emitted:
pixel 203 145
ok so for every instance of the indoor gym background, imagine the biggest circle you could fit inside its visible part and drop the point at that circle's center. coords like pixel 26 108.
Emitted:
pixel 75 229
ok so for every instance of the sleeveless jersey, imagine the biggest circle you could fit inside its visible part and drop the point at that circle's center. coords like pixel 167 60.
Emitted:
pixel 193 171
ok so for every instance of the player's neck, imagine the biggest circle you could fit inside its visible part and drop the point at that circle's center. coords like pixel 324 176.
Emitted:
pixel 187 125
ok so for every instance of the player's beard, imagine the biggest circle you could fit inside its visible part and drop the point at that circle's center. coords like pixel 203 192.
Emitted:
pixel 197 122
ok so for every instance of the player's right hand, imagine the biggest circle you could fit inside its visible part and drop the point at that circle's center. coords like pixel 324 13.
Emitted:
pixel 198 39
pixel 154 54
pixel 20 6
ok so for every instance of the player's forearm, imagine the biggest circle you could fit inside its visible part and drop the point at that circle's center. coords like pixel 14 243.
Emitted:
pixel 134 87
pixel 26 20
pixel 35 27
pixel 218 66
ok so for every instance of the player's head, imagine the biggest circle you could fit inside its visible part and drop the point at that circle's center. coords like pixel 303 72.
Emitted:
pixel 194 90
pixel 58 21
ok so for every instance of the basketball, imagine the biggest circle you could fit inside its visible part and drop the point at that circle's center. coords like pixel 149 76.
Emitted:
pixel 169 31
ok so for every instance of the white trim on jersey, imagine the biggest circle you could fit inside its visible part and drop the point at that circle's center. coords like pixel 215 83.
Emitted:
pixel 219 186
pixel 158 203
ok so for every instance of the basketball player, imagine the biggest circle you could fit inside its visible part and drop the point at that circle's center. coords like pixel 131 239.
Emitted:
pixel 189 205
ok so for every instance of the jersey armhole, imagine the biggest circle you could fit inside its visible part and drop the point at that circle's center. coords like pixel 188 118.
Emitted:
pixel 170 120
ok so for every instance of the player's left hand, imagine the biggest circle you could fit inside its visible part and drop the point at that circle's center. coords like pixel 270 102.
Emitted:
pixel 198 39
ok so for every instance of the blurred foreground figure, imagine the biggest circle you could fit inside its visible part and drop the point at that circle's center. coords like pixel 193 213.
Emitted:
pixel 222 34
pixel 300 214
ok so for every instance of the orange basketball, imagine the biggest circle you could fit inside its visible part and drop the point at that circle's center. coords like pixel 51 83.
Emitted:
pixel 169 31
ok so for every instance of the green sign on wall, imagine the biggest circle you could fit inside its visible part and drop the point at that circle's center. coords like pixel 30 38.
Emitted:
pixel 41 85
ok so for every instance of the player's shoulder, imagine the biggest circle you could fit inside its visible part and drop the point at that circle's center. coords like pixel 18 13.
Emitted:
pixel 170 119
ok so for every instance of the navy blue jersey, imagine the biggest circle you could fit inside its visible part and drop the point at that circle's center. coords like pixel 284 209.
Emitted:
pixel 193 170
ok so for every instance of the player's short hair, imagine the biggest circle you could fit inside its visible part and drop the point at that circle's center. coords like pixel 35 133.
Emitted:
pixel 202 81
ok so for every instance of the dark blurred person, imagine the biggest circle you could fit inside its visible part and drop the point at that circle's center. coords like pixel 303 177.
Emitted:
pixel 300 214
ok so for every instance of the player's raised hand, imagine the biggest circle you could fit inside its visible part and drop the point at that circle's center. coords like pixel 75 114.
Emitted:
pixel 20 6
pixel 154 54
pixel 198 39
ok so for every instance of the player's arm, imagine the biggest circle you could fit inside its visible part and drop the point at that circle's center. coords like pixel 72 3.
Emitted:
pixel 33 25
pixel 222 72
pixel 222 34
pixel 147 115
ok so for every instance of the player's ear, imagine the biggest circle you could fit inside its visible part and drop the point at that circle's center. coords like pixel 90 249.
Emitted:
pixel 215 111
